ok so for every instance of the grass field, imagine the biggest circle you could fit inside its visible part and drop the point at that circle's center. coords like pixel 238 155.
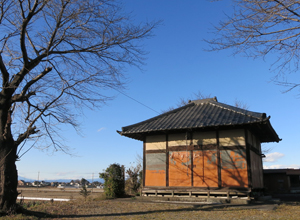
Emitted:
pixel 50 192
pixel 96 207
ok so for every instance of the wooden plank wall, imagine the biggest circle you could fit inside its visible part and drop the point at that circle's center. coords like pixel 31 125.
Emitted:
pixel 202 159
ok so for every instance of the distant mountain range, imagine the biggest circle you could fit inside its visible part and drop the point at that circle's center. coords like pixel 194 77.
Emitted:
pixel 59 180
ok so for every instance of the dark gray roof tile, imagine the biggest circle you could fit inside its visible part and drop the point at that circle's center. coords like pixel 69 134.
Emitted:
pixel 203 114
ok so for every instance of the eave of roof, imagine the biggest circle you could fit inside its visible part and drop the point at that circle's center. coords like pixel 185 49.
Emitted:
pixel 287 171
pixel 203 114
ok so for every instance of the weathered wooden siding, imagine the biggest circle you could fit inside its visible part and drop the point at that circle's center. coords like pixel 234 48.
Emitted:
pixel 179 168
pixel 256 169
pixel 234 168
pixel 191 159
pixel 155 174
pixel 205 168
pixel 256 161
pixel 155 169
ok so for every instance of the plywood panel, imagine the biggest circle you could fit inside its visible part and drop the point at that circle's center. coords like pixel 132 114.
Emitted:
pixel 204 138
pixel 205 169
pixel 156 142
pixel 179 168
pixel 234 168
pixel 155 174
pixel 177 140
pixel 232 138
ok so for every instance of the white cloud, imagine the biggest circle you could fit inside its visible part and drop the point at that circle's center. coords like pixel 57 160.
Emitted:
pixel 273 157
pixel 279 166
pixel 100 129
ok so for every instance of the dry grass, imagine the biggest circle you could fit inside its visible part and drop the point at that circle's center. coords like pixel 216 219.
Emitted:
pixel 98 208
pixel 51 192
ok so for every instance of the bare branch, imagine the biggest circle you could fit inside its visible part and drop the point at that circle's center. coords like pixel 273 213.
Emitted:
pixel 60 54
pixel 259 27
pixel 5 74
pixel 22 96
pixel 25 135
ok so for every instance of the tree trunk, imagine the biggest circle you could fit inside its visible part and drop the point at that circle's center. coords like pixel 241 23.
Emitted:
pixel 8 176
pixel 8 169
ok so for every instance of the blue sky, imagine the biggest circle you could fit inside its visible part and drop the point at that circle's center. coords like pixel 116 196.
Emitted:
pixel 177 67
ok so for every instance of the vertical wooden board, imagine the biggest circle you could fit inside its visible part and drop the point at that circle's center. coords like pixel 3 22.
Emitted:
pixel 155 169
pixel 155 178
pixel 261 173
pixel 234 168
pixel 256 170
pixel 249 138
pixel 205 169
pixel 179 168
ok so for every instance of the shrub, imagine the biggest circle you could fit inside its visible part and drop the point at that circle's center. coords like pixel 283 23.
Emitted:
pixel 133 183
pixel 84 192
pixel 114 181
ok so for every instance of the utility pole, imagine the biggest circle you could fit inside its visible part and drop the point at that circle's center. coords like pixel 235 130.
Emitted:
pixel 92 182
pixel 38 181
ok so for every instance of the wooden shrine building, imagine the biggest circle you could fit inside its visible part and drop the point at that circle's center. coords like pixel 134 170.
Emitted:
pixel 203 147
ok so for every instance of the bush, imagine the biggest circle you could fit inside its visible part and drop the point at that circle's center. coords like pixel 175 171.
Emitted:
pixel 84 192
pixel 114 181
pixel 133 183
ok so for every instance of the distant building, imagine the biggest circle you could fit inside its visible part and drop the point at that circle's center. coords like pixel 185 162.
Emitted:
pixel 282 180
pixel 54 184
pixel 21 183
pixel 36 183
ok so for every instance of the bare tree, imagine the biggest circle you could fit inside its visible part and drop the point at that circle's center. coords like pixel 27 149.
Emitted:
pixel 261 27
pixel 185 101
pixel 241 104
pixel 57 56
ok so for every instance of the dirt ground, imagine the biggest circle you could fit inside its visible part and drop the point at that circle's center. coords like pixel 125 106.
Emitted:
pixel 97 207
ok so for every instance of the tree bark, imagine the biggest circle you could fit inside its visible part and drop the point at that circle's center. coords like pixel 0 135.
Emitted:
pixel 8 176
pixel 8 156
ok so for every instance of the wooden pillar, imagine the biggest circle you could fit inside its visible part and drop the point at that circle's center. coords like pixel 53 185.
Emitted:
pixel 167 160
pixel 144 161
pixel 219 160
pixel 192 159
pixel 248 159
pixel 192 168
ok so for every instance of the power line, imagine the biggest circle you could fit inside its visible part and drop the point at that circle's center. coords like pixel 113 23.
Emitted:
pixel 136 101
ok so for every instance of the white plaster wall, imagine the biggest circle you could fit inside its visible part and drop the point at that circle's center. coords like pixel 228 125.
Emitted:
pixel 177 140
pixel 204 138
pixel 232 138
pixel 156 142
